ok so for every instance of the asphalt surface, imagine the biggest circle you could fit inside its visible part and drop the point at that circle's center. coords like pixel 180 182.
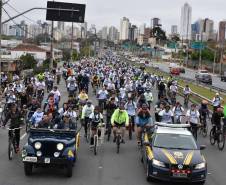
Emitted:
pixel 190 74
pixel 107 168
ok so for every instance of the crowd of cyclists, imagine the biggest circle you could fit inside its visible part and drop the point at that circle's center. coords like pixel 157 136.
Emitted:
pixel 102 90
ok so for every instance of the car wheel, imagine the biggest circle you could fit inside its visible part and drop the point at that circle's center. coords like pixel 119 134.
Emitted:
pixel 69 168
pixel 201 183
pixel 28 169
pixel 148 177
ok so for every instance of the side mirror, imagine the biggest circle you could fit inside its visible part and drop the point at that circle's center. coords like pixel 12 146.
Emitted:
pixel 202 147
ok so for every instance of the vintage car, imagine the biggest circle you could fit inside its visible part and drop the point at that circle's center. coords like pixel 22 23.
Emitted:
pixel 171 154
pixel 50 147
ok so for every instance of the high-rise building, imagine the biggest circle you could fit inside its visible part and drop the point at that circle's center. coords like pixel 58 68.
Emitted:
pixel 195 30
pixel 84 28
pixel 141 29
pixel 222 31
pixel 155 22
pixel 124 28
pixel 104 33
pixel 5 29
pixel 133 33
pixel 113 33
pixel 185 24
pixel 19 30
pixel 206 29
pixel 174 30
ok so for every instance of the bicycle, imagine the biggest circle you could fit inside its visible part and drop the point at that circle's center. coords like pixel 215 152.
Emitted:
pixel 186 100
pixel 118 138
pixel 130 128
pixel 96 138
pixel 12 143
pixel 218 135
pixel 203 127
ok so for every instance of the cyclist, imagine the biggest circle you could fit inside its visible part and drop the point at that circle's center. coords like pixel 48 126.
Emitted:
pixel 193 118
pixel 216 101
pixel 186 92
pixel 86 112
pixel 143 120
pixel 16 119
pixel 131 107
pixel 96 119
pixel 119 120
pixel 178 110
pixel 82 97
pixel 204 111
pixel 72 88
pixel 166 115
pixel 216 119
pixel 149 97
pixel 57 96
pixel 102 97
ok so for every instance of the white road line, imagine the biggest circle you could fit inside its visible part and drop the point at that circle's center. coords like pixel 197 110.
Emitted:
pixel 23 136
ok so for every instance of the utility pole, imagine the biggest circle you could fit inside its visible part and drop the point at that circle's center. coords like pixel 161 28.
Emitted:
pixel 0 43
pixel 200 52
pixel 51 46
pixel 72 35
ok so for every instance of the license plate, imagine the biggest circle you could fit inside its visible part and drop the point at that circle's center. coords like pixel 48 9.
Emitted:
pixel 30 159
pixel 180 175
pixel 47 160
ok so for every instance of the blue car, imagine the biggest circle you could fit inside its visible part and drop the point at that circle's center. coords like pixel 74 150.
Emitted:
pixel 51 147
pixel 171 154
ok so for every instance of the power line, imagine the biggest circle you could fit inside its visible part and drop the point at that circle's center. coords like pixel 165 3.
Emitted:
pixel 18 24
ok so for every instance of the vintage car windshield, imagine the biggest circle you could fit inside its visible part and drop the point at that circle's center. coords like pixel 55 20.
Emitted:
pixel 175 141
pixel 55 133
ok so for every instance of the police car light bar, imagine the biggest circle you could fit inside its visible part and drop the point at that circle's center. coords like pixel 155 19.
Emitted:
pixel 161 124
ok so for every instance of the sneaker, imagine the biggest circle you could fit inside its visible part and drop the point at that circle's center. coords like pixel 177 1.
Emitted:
pixel 138 143
pixel 114 140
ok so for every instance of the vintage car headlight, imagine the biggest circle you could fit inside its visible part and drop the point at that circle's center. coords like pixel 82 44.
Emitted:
pixel 56 154
pixel 158 163
pixel 60 146
pixel 38 145
pixel 200 166
pixel 39 153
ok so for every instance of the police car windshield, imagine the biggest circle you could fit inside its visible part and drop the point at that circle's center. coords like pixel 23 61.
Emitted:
pixel 175 141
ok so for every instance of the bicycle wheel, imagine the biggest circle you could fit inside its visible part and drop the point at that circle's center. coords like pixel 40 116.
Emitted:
pixel 221 141
pixel 118 143
pixel 10 149
pixel 88 134
pixel 95 145
pixel 205 130
pixel 212 137
pixel 130 131
pixel 109 132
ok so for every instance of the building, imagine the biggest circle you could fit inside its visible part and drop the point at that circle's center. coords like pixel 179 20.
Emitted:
pixel 174 30
pixel 34 30
pixel 19 30
pixel 141 29
pixel 84 28
pixel 104 33
pixel 155 22
pixel 206 29
pixel 113 33
pixel 140 40
pixel 5 29
pixel 222 30
pixel 23 49
pixel 124 28
pixel 195 30
pixel 147 34
pixel 185 23
pixel 133 33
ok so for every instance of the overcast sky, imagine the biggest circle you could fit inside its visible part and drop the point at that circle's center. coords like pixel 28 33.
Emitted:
pixel 109 12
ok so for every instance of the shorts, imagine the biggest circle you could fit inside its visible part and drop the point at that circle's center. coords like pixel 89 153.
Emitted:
pixel 140 122
pixel 132 119
pixel 119 125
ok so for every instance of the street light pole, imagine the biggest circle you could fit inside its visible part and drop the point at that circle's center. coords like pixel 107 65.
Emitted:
pixel 0 43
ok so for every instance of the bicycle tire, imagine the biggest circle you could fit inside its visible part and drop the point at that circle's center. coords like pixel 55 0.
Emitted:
pixel 88 134
pixel 118 143
pixel 95 145
pixel 212 137
pixel 10 149
pixel 130 132
pixel 204 131
pixel 221 141
pixel 109 133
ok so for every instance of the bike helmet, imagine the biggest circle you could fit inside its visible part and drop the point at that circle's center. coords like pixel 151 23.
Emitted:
pixel 204 102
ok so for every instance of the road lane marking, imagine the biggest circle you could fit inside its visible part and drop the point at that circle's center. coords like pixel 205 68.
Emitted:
pixel 23 136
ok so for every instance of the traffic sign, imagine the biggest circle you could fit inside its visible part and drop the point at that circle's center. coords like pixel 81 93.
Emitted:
pixel 65 12
pixel 198 45
pixel 172 45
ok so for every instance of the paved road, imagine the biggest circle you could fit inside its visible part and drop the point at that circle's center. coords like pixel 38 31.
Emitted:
pixel 190 74
pixel 107 168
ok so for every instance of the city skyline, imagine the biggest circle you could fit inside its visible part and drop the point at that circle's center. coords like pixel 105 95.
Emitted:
pixel 109 13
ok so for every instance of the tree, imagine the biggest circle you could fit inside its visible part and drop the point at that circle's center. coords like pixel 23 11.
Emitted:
pixel 159 34
pixel 75 55
pixel 66 54
pixel 175 38
pixel 28 61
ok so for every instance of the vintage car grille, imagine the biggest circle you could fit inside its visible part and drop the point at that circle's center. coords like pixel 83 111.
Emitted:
pixel 48 148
